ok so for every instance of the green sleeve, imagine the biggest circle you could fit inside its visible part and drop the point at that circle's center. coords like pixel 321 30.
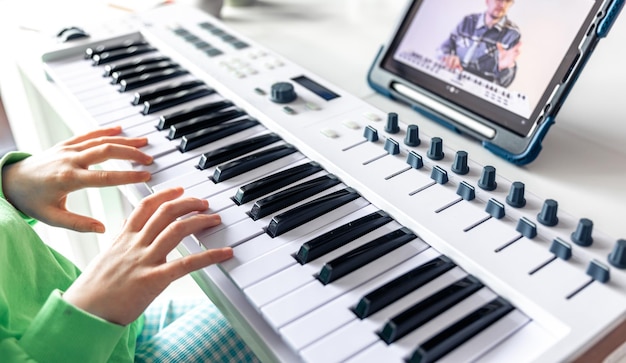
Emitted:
pixel 10 158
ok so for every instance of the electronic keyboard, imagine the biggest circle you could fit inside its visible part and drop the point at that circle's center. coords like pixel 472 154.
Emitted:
pixel 357 237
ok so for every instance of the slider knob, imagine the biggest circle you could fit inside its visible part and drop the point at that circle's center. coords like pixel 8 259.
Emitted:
pixel 547 216
pixel 283 92
pixel 392 123
pixel 412 136
pixel 582 235
pixel 617 257
pixel 516 195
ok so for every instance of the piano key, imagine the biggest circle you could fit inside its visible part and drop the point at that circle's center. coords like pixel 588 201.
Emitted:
pixel 420 313
pixel 167 120
pixel 118 76
pixel 293 218
pixel 130 84
pixel 314 294
pixel 246 272
pixel 220 155
pixel 458 333
pixel 108 56
pixel 91 51
pixel 327 242
pixel 338 312
pixel 358 335
pixel 196 139
pixel 163 102
pixel 242 165
pixel 140 97
pixel 202 122
pixel 121 66
pixel 270 183
pixel 359 257
pixel 392 291
pixel 288 197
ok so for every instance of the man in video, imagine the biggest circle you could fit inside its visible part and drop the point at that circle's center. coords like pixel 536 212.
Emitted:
pixel 485 44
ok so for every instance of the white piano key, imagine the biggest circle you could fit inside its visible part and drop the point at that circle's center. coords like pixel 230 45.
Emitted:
pixel 314 294
pixel 114 105
pixel 337 313
pixel 247 272
pixel 298 275
pixel 526 344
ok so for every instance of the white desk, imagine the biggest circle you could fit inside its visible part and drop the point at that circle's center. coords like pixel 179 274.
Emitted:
pixel 582 165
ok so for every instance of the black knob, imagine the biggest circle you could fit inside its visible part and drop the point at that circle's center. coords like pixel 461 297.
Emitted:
pixel 582 235
pixel 392 123
pixel 516 195
pixel 436 149
pixel 487 179
pixel 412 136
pixel 283 92
pixel 460 163
pixel 617 257
pixel 547 216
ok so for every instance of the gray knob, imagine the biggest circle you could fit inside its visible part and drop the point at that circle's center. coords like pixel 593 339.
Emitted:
pixel 283 92
pixel 436 149
pixel 392 123
pixel 548 217
pixel 516 195
pixel 412 136
pixel 617 257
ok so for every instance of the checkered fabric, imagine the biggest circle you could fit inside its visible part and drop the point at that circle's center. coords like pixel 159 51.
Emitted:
pixel 189 331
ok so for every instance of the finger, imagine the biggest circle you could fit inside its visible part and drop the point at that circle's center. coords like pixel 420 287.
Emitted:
pixel 148 206
pixel 104 152
pixel 162 222
pixel 135 142
pixel 176 231
pixel 107 178
pixel 65 219
pixel 107 131
pixel 182 266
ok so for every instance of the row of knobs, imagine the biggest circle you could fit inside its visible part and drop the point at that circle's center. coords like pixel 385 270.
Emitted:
pixel 582 236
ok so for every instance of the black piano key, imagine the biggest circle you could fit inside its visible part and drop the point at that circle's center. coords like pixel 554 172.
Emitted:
pixel 91 51
pixel 304 213
pixel 214 133
pixel 401 286
pixel 361 256
pixel 427 309
pixel 232 151
pixel 150 78
pixel 115 55
pixel 180 97
pixel 237 167
pixel 165 121
pixel 202 122
pixel 268 184
pixel 110 68
pixel 461 331
pixel 290 196
pixel 141 97
pixel 118 76
pixel 341 235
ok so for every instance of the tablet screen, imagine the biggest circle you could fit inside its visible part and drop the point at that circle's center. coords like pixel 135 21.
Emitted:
pixel 499 59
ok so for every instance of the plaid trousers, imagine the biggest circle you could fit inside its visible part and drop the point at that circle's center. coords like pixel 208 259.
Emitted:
pixel 189 331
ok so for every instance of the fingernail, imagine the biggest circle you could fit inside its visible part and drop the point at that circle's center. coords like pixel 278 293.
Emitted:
pixel 98 228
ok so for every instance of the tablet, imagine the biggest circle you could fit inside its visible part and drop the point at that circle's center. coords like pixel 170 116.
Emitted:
pixel 497 70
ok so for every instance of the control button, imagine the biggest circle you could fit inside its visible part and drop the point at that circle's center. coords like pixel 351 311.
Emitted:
pixel 412 136
pixel 260 91
pixel 466 191
pixel 372 116
pixel 436 149
pixel 371 134
pixel 392 147
pixel 330 133
pixel 495 208
pixel 617 257
pixel 283 92
pixel 527 228
pixel 288 110
pixel 487 179
pixel 392 123
pixel 582 235
pixel 547 216
pixel 561 249
pixel 460 163
pixel 598 271
pixel 516 195
pixel 439 175
pixel 351 125
pixel 312 106
pixel 415 160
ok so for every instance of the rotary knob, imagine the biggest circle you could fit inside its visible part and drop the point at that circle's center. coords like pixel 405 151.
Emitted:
pixel 283 92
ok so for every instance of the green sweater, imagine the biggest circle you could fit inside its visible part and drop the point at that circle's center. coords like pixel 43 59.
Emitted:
pixel 36 324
